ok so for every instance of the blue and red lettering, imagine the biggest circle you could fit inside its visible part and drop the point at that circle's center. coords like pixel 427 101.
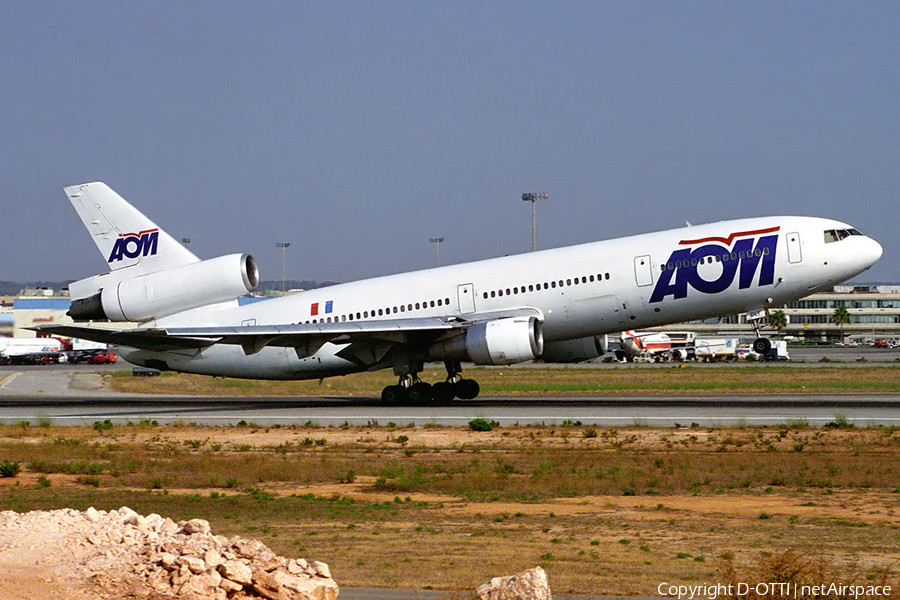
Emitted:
pixel 132 245
pixel 744 258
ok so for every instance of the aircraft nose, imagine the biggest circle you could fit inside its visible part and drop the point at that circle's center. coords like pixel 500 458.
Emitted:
pixel 873 252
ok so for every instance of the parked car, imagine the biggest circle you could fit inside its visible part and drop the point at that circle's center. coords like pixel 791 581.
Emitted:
pixel 101 358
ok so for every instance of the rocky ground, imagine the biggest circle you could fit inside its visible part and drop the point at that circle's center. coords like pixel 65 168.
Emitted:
pixel 121 554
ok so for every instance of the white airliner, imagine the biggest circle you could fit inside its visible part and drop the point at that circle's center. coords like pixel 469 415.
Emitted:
pixel 648 344
pixel 556 305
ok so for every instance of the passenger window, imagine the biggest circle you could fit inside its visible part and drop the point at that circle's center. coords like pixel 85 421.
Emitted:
pixel 568 282
pixel 380 312
pixel 607 275
pixel 553 284
pixel 439 302
pixel 592 277
pixel 432 304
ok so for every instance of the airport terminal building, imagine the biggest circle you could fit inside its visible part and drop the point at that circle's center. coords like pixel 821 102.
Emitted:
pixel 874 314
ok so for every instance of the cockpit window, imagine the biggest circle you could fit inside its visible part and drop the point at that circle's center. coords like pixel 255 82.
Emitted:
pixel 836 235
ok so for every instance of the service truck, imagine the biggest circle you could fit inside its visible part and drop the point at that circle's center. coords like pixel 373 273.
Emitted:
pixel 715 349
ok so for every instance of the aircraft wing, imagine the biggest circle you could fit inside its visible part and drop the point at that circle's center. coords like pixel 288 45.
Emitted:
pixel 305 338
pixel 148 339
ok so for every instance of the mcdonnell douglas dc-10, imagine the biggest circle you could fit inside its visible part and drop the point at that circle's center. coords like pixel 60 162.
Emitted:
pixel 557 305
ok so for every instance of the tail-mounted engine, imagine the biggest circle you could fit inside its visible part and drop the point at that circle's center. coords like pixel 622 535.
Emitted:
pixel 170 291
pixel 499 342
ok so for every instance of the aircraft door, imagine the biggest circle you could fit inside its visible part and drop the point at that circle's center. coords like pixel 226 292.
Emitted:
pixel 643 274
pixel 793 248
pixel 465 296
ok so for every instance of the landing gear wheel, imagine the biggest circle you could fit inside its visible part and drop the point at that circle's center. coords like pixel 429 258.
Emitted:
pixel 761 345
pixel 420 393
pixel 393 394
pixel 467 389
pixel 443 391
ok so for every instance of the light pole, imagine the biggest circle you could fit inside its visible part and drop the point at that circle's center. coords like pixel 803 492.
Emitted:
pixel 437 247
pixel 533 197
pixel 284 246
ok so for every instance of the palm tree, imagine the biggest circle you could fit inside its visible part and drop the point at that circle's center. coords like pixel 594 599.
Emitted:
pixel 778 321
pixel 841 317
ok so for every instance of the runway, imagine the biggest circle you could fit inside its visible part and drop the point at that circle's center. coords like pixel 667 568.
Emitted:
pixel 46 395
pixel 632 410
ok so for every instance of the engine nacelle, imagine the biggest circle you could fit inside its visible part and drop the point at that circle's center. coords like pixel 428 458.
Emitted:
pixel 577 350
pixel 499 342
pixel 171 291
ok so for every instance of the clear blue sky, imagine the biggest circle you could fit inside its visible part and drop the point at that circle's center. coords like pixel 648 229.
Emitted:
pixel 358 130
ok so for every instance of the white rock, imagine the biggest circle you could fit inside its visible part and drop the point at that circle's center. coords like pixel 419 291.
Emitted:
pixel 196 565
pixel 212 558
pixel 236 571
pixel 196 526
pixel 527 585
pixel 321 569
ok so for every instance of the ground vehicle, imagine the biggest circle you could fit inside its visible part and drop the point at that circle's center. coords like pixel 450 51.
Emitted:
pixel 778 351
pixel 879 343
pixel 102 357
pixel 715 349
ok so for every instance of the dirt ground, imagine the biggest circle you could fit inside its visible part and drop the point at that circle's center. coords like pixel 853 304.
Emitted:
pixel 623 543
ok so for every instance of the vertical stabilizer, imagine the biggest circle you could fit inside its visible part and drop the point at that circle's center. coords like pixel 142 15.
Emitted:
pixel 125 237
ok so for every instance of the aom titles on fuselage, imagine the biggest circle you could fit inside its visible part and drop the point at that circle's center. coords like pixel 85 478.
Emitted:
pixel 556 305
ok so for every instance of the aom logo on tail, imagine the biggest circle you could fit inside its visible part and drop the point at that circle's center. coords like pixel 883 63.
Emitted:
pixel 132 245
pixel 742 253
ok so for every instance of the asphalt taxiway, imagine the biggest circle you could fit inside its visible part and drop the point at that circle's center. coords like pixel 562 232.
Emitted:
pixel 43 394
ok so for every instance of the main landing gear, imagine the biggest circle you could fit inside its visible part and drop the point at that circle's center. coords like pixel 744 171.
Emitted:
pixel 413 390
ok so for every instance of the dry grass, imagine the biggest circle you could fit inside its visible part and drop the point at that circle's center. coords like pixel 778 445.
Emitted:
pixel 617 513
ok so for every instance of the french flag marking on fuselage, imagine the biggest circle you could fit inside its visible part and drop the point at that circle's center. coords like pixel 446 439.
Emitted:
pixel 314 308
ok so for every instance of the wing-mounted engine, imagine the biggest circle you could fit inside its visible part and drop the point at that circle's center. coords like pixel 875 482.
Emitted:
pixel 577 350
pixel 170 291
pixel 498 342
